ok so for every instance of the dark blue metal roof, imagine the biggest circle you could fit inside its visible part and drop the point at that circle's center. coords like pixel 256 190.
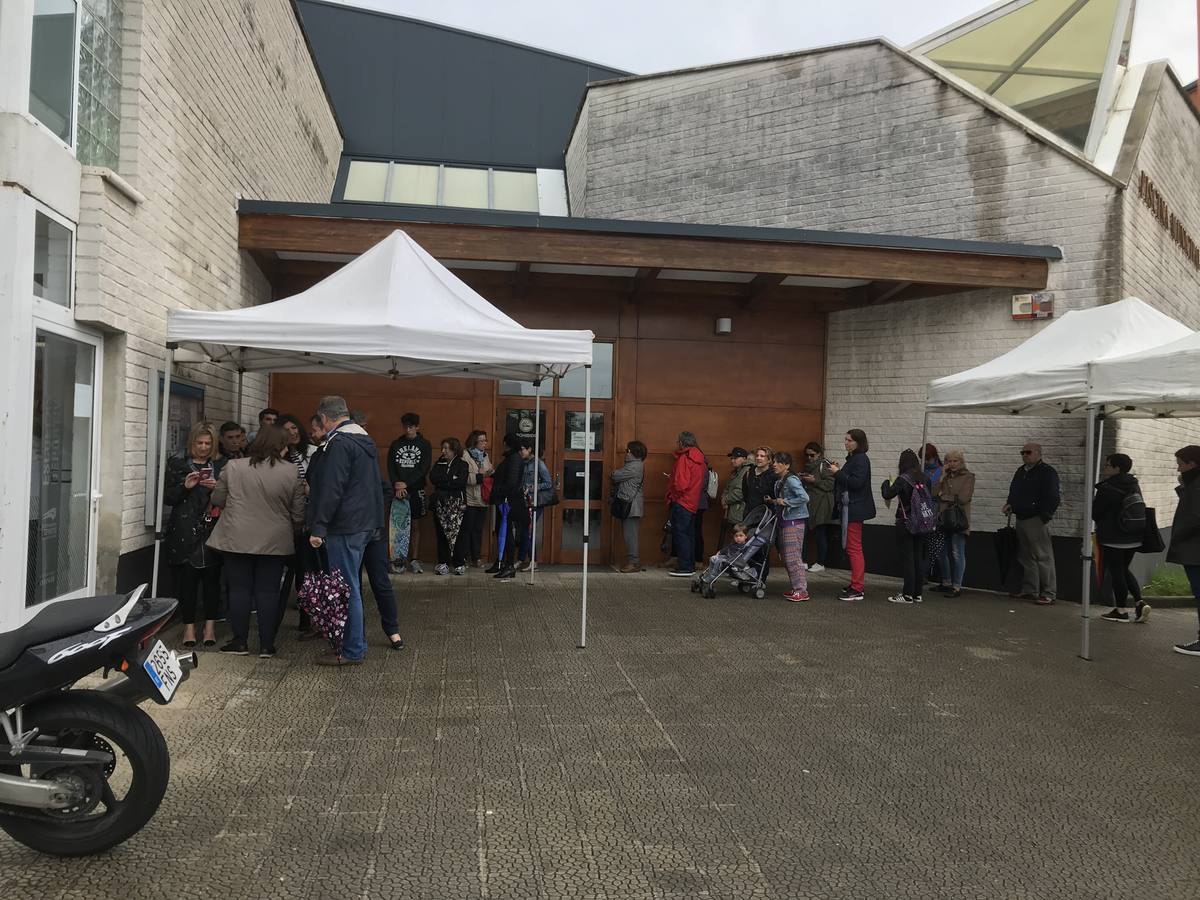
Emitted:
pixel 406 89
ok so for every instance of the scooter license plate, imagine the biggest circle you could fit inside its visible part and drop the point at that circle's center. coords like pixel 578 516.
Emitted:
pixel 164 670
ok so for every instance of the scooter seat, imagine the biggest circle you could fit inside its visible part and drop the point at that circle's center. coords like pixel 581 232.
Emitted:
pixel 58 620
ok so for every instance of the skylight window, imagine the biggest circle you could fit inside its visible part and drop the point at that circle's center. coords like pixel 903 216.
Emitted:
pixel 420 184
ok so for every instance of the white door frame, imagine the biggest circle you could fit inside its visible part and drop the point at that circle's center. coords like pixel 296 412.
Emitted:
pixel 52 321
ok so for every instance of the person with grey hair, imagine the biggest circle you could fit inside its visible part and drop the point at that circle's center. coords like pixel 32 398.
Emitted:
pixel 1033 497
pixel 345 509
pixel 687 482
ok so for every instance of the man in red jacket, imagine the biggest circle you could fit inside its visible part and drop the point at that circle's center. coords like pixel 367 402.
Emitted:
pixel 683 498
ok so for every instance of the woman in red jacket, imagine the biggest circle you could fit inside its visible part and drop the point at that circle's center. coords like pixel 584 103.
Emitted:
pixel 683 498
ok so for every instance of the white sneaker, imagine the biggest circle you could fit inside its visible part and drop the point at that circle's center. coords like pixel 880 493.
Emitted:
pixel 441 569
pixel 816 567
pixel 415 567
pixel 460 570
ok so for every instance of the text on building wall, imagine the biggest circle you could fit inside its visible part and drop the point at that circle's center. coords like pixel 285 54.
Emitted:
pixel 1157 204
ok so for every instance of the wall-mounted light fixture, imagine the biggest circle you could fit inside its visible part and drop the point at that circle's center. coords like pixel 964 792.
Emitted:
pixel 724 326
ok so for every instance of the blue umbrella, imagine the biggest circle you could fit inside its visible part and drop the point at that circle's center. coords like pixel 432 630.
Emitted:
pixel 503 508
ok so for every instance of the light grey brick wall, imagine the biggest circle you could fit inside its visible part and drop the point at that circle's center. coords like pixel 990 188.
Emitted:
pixel 1156 269
pixel 862 139
pixel 577 157
pixel 221 100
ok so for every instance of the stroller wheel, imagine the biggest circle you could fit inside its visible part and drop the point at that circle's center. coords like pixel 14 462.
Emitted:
pixel 696 586
pixel 710 593
pixel 759 593
pixel 741 587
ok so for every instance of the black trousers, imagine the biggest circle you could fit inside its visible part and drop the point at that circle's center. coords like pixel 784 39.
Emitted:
pixel 911 550
pixel 189 581
pixel 518 528
pixel 1118 576
pixel 472 532
pixel 254 584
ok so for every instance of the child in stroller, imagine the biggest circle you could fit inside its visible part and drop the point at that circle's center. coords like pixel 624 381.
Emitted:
pixel 744 558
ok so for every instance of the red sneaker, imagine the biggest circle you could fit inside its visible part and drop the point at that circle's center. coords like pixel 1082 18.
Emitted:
pixel 796 596
pixel 1044 601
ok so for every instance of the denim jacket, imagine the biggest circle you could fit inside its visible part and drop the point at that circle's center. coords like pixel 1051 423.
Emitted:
pixel 795 498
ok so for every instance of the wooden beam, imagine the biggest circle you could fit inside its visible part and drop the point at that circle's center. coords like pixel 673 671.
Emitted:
pixel 262 231
pixel 758 286
pixel 639 281
pixel 520 280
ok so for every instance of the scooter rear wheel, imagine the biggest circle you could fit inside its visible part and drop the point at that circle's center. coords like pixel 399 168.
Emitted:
pixel 119 799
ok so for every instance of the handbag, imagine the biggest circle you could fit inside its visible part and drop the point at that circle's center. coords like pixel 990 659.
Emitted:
pixel 619 508
pixel 485 488
pixel 547 497
pixel 953 520
pixel 1152 541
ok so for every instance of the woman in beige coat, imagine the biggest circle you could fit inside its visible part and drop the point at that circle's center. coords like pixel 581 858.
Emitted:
pixel 261 502
pixel 956 488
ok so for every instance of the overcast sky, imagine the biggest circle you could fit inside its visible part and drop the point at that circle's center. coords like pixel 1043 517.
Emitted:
pixel 653 35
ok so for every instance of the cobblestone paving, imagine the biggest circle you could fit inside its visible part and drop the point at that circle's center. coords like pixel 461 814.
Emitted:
pixel 725 748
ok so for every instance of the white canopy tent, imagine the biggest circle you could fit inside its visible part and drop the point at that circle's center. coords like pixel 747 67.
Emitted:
pixel 1049 375
pixel 1162 382
pixel 393 311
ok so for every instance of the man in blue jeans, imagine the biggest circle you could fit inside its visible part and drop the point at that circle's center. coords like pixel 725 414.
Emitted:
pixel 345 509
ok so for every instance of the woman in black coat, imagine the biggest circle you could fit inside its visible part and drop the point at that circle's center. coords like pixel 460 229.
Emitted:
pixel 187 488
pixel 449 478
pixel 507 489
pixel 1185 529
pixel 856 504
pixel 911 547
pixel 1119 544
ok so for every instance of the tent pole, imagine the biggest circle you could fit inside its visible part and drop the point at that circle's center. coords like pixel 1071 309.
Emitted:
pixel 164 410
pixel 924 436
pixel 587 495
pixel 1086 556
pixel 537 460
pixel 237 417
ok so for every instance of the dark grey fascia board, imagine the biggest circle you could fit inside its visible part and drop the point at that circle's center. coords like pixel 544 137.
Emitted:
pixel 400 213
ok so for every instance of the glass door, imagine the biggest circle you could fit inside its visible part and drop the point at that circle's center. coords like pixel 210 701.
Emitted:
pixel 572 434
pixel 63 500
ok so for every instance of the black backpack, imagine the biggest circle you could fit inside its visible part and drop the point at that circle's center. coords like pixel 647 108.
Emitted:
pixel 1132 517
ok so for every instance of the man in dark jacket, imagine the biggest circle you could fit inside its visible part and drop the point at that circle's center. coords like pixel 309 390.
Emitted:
pixel 1185 529
pixel 1033 497
pixel 409 459
pixel 345 509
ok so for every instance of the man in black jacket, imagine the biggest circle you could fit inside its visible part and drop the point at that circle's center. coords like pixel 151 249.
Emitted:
pixel 1185 529
pixel 1033 497
pixel 345 508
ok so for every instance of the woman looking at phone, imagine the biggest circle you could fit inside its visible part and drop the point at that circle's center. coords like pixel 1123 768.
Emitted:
pixel 187 489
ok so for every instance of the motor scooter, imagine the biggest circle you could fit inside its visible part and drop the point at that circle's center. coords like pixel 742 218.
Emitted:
pixel 82 770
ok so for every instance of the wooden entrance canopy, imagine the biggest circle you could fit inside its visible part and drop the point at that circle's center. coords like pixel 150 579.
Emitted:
pixel 297 244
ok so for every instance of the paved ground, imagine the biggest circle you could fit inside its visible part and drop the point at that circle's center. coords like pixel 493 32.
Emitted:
pixel 724 748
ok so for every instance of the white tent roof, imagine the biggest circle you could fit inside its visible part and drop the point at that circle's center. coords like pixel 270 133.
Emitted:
pixel 1048 374
pixel 1163 381
pixel 395 311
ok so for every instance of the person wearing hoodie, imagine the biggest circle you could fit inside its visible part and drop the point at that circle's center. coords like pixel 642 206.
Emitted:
pixel 1118 544
pixel 345 508
pixel 409 458
pixel 627 484
pixel 687 482
pixel 1185 529
pixel 911 546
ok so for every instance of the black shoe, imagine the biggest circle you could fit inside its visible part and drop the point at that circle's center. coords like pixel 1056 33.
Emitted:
pixel 397 644
pixel 850 595
pixel 266 653
pixel 1192 649
pixel 1116 616
pixel 235 649
pixel 506 573
pixel 493 569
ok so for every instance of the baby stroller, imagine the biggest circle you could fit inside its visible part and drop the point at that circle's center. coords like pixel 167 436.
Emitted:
pixel 747 566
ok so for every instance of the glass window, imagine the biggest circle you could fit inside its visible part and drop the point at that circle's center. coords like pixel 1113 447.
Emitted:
pixel 575 435
pixel 572 529
pixel 51 260
pixel 520 423
pixel 100 26
pixel 413 184
pixel 515 190
pixel 465 187
pixel 52 68
pixel 366 181
pixel 573 480
pixel 525 388
pixel 602 375
pixel 60 499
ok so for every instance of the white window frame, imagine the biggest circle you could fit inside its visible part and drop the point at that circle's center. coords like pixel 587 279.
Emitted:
pixel 74 93
pixel 441 183
pixel 45 309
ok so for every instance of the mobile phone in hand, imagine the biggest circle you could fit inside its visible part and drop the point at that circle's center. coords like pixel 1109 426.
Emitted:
pixel 206 473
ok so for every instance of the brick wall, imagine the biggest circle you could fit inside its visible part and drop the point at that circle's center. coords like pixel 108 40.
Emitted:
pixel 863 139
pixel 1156 270
pixel 221 100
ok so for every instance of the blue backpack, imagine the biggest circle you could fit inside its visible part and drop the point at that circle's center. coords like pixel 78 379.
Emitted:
pixel 921 517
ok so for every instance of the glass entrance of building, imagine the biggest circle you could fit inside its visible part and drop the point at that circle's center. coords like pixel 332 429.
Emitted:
pixel 63 500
